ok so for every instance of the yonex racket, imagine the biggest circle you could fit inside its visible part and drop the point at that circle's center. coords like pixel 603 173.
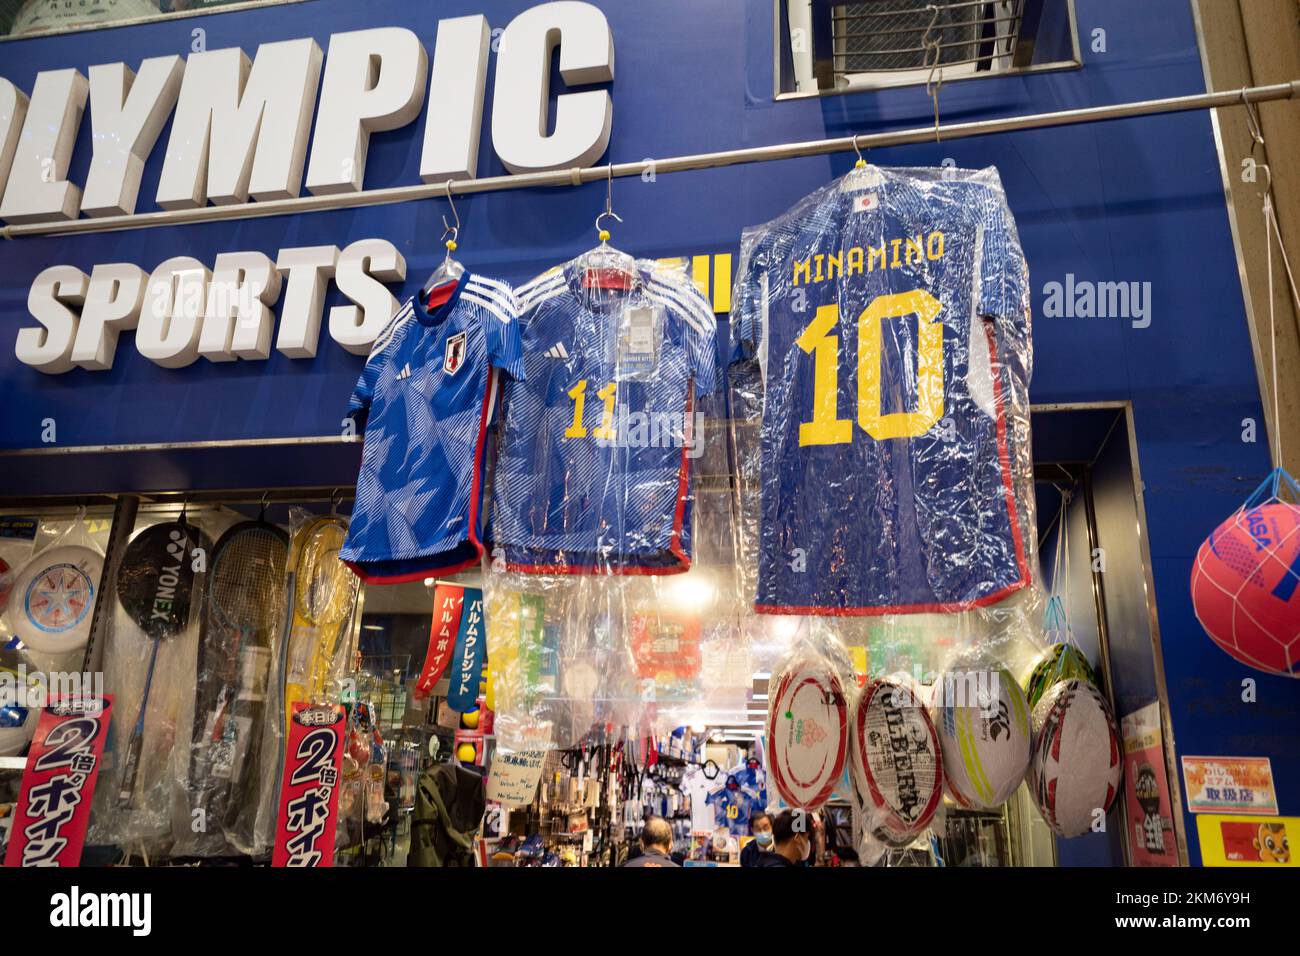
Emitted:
pixel 155 585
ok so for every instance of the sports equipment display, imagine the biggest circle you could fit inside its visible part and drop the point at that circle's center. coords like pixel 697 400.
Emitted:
pixel 324 593
pixel 1077 761
pixel 984 734
pixel 244 601
pixel 156 586
pixel 1244 586
pixel 1059 662
pixel 897 766
pixel 426 399
pixel 882 326
pixel 594 473
pixel 53 599
pixel 807 730
pixel 17 719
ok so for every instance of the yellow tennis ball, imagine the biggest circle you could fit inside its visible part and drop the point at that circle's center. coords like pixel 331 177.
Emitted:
pixel 470 719
pixel 466 753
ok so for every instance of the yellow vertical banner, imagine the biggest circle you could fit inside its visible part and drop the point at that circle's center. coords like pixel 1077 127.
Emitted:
pixel 722 282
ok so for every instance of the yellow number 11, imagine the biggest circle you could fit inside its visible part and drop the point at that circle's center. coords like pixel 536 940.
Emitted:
pixel 826 427
pixel 605 430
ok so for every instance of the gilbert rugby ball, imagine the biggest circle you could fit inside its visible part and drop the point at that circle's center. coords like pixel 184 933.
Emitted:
pixel 53 599
pixel 807 733
pixel 897 766
pixel 984 733
pixel 1077 762
pixel 1060 662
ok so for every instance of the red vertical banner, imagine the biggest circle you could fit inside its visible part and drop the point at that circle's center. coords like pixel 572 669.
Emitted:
pixel 448 603
pixel 53 810
pixel 309 792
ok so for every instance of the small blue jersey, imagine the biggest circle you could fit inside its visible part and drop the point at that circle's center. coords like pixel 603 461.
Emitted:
pixel 426 399
pixel 733 808
pixel 593 474
pixel 887 319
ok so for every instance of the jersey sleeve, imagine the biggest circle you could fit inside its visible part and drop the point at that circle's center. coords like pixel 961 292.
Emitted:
pixel 680 295
pixel 364 392
pixel 499 311
pixel 703 344
pixel 747 300
pixel 1004 276
pixel 505 345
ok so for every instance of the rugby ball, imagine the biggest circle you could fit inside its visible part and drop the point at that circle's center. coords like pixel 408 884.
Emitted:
pixel 53 599
pixel 1060 662
pixel 807 733
pixel 1077 762
pixel 897 766
pixel 984 733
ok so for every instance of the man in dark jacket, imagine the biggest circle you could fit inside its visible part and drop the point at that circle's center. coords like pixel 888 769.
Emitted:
pixel 791 839
pixel 760 825
pixel 656 845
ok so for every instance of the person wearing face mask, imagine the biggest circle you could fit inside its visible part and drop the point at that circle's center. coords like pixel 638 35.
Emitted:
pixel 760 825
pixel 791 840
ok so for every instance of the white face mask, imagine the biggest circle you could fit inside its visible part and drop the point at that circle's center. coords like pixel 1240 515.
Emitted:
pixel 807 849
pixel 764 839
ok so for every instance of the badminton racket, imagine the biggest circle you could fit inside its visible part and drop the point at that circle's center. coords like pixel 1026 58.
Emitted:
pixel 156 587
pixel 324 593
pixel 245 587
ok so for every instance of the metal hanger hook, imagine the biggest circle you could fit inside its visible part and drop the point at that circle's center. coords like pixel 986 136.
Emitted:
pixel 933 46
pixel 448 227
pixel 1252 121
pixel 861 159
pixel 611 214
pixel 609 205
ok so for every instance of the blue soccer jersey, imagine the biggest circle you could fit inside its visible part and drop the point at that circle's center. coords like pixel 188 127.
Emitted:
pixel 593 474
pixel 889 315
pixel 425 399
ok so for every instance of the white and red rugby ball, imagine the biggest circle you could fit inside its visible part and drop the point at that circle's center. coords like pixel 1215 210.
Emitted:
pixel 897 764
pixel 807 733
pixel 1078 761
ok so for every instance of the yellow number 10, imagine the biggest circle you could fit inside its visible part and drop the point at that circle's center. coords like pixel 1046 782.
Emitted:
pixel 826 427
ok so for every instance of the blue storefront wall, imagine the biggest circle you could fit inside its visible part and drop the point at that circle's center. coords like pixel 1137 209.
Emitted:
pixel 1138 201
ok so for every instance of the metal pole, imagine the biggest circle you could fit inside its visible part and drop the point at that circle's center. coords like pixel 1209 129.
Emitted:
pixel 675 164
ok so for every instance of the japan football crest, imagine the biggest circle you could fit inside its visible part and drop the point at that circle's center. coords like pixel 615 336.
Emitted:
pixel 454 357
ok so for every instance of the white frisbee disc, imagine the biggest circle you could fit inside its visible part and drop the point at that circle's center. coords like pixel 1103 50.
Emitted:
pixel 53 599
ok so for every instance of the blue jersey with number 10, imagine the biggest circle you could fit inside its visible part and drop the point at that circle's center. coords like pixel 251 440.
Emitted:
pixel 888 316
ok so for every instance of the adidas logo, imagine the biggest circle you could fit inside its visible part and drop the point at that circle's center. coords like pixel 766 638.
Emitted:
pixel 405 373
pixel 557 351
